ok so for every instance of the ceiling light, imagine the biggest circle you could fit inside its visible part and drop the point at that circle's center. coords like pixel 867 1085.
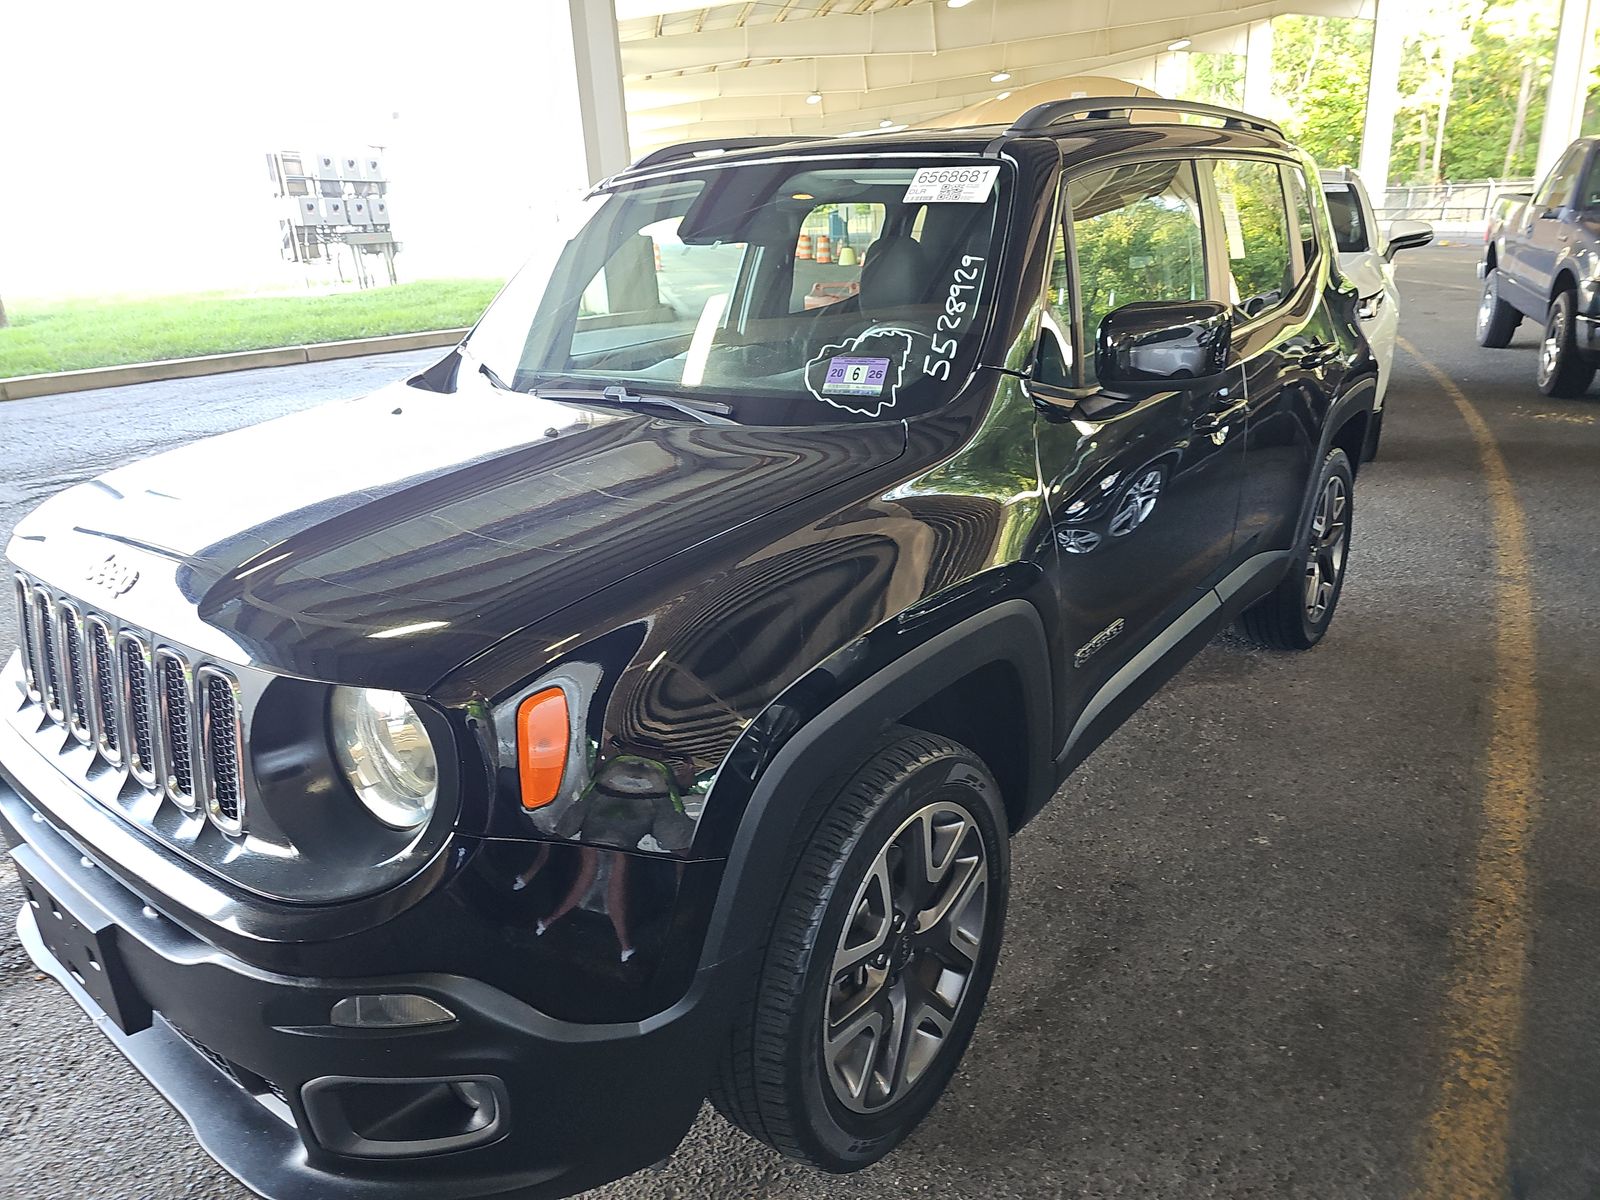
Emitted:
pixel 1000 77
pixel 958 3
pixel 885 123
pixel 1003 96
pixel 814 98
pixel 1180 44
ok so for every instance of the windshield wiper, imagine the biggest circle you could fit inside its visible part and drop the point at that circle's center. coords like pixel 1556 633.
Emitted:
pixel 710 412
pixel 488 373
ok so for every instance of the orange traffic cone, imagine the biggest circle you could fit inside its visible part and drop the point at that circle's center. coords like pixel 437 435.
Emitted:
pixel 824 248
pixel 803 250
pixel 657 248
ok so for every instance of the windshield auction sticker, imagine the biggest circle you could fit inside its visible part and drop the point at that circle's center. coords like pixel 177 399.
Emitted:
pixel 851 376
pixel 860 380
pixel 951 185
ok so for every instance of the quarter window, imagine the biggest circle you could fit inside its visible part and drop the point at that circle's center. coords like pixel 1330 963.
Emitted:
pixel 1137 233
pixel 1255 226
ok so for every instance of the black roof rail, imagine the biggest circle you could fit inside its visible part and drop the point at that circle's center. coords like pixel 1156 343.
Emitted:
pixel 1101 108
pixel 711 147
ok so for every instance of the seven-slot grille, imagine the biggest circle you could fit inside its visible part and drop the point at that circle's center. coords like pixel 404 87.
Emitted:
pixel 175 728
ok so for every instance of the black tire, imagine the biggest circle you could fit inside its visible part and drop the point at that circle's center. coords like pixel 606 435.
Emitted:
pixel 1287 618
pixel 1563 371
pixel 1497 320
pixel 774 1082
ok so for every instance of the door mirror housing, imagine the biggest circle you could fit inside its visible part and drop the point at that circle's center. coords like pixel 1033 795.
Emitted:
pixel 1407 235
pixel 1154 346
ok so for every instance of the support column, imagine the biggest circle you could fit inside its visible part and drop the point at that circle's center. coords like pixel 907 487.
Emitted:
pixel 1258 68
pixel 1563 110
pixel 1172 73
pixel 602 108
pixel 1383 96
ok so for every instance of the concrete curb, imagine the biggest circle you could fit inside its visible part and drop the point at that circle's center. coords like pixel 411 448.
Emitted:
pixel 22 386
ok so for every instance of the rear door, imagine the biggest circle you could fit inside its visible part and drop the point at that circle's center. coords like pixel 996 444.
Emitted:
pixel 1143 492
pixel 1284 343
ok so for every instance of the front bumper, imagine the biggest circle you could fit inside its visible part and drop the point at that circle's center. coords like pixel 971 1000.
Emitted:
pixel 233 1047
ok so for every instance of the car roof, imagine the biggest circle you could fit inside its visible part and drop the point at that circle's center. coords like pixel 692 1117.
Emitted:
pixel 1082 139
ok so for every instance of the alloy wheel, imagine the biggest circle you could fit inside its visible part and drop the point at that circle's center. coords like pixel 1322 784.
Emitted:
pixel 905 958
pixel 1491 293
pixel 1325 563
pixel 1550 350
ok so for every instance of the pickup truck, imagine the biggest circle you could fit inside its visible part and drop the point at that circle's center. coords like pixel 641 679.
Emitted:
pixel 1542 260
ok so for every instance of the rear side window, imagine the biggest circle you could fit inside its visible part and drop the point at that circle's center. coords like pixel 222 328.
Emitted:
pixel 1305 219
pixel 831 249
pixel 1255 225
pixel 1349 227
pixel 1137 233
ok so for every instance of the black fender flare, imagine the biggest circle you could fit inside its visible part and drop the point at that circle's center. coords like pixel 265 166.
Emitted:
pixel 1358 398
pixel 754 876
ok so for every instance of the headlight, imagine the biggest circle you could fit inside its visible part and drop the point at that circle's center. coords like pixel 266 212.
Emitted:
pixel 386 754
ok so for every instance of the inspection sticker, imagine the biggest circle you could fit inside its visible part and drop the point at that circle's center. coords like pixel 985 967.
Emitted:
pixel 951 185
pixel 850 376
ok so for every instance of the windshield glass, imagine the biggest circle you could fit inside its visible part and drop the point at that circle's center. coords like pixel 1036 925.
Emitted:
pixel 791 292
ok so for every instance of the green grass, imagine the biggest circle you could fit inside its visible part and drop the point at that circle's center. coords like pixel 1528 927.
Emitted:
pixel 69 335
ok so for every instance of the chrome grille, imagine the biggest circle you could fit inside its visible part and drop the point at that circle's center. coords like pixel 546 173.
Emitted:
pixel 176 727
pixel 44 628
pixel 103 692
pixel 73 664
pixel 29 642
pixel 221 737
pixel 138 706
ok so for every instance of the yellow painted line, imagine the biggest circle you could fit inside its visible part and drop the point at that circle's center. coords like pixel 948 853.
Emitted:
pixel 1464 1148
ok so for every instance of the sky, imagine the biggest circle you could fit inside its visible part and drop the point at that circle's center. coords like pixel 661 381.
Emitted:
pixel 134 136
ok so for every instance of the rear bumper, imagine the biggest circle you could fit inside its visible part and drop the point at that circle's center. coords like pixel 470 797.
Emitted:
pixel 233 1048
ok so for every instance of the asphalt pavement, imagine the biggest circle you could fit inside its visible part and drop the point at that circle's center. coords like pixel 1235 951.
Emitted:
pixel 1232 959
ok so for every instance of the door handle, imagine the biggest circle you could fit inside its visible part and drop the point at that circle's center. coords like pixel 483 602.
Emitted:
pixel 1316 354
pixel 1214 420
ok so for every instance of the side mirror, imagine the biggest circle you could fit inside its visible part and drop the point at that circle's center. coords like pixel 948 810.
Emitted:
pixel 1153 346
pixel 1407 235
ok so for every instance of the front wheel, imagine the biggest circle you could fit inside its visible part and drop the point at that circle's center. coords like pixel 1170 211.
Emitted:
pixel 1563 369
pixel 879 960
pixel 1497 320
pixel 1295 614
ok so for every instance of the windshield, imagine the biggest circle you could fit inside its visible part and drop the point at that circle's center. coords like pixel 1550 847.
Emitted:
pixel 790 292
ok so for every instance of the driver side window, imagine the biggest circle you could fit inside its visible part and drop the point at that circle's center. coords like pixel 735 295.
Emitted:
pixel 1557 188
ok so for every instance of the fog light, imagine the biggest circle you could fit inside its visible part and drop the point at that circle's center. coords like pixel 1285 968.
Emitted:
pixel 400 1011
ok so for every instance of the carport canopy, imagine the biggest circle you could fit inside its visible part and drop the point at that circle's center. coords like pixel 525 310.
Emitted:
pixel 653 72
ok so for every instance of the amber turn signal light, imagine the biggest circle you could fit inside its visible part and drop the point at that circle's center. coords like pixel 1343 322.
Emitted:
pixel 542 732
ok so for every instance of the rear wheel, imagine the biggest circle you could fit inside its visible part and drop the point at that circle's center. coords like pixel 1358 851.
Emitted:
pixel 1497 320
pixel 1295 614
pixel 879 961
pixel 1563 371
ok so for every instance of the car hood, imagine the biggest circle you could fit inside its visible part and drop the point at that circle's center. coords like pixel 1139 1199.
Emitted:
pixel 386 540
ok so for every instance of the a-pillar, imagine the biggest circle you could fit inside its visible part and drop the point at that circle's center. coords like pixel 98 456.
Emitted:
pixel 1383 95
pixel 1563 112
pixel 602 108
pixel 1258 68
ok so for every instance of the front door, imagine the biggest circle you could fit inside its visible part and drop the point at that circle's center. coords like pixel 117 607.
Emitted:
pixel 1142 493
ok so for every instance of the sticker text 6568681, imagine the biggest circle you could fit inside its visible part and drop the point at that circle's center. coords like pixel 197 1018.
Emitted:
pixel 957 311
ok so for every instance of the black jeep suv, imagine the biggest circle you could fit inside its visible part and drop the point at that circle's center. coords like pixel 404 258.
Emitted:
pixel 440 794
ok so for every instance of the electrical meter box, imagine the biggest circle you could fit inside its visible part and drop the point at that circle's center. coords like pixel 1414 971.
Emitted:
pixel 356 211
